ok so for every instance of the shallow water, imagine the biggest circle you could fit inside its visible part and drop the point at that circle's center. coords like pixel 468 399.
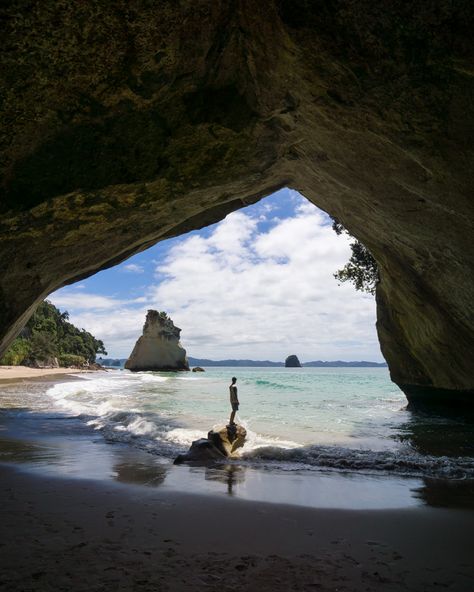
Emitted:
pixel 331 420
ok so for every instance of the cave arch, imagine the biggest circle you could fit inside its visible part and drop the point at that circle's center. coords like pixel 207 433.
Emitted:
pixel 128 123
pixel 266 271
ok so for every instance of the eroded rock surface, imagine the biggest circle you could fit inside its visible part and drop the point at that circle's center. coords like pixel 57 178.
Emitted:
pixel 159 347
pixel 125 123
pixel 219 444
pixel 228 439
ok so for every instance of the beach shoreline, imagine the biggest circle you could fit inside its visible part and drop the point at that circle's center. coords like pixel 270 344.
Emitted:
pixel 79 513
pixel 63 534
pixel 13 374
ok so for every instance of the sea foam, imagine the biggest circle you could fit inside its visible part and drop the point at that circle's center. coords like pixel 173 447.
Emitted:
pixel 164 414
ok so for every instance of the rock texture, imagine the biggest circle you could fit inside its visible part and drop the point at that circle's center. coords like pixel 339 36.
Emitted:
pixel 159 347
pixel 228 439
pixel 198 369
pixel 292 362
pixel 218 445
pixel 124 123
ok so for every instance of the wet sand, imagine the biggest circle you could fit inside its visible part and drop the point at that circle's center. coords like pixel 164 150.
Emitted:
pixel 62 534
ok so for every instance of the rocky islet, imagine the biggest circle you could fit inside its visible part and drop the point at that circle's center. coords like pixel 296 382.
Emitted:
pixel 292 361
pixel 159 347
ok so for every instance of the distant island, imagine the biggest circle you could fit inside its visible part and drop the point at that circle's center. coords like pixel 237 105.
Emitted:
pixel 292 362
pixel 119 363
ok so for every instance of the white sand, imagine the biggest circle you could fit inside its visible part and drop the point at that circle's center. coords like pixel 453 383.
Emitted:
pixel 13 373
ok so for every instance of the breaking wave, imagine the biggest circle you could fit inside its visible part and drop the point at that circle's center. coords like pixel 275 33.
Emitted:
pixel 122 408
pixel 335 458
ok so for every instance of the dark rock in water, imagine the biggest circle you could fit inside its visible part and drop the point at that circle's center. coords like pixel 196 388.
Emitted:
pixel 292 362
pixel 202 450
pixel 198 369
pixel 159 347
pixel 218 445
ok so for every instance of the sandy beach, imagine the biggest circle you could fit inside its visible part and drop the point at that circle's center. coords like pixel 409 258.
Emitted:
pixel 60 534
pixel 81 514
pixel 15 373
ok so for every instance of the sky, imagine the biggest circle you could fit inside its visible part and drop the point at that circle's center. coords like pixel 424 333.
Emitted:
pixel 257 285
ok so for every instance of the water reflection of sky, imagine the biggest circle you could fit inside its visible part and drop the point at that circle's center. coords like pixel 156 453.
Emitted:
pixel 56 445
pixel 40 445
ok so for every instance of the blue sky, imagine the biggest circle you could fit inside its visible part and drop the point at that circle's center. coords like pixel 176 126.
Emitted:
pixel 258 284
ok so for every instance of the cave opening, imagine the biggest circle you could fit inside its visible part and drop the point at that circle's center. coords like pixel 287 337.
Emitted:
pixel 257 285
pixel 124 124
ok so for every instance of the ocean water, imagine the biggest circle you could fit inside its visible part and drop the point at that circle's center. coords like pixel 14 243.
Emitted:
pixel 346 420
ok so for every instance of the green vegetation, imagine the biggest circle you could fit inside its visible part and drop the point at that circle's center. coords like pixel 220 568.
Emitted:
pixel 17 352
pixel 68 360
pixel 361 269
pixel 48 334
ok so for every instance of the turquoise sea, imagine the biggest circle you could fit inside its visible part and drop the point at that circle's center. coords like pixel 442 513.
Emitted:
pixel 345 420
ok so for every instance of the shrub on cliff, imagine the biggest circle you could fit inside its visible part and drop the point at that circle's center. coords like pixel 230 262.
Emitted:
pixel 43 347
pixel 361 269
pixel 68 360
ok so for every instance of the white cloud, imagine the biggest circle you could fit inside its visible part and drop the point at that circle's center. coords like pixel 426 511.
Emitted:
pixel 243 293
pixel 133 268
pixel 267 294
pixel 83 301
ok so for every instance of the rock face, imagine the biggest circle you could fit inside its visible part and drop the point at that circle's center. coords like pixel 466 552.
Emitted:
pixel 50 362
pixel 292 362
pixel 198 369
pixel 228 439
pixel 159 347
pixel 123 124
pixel 218 445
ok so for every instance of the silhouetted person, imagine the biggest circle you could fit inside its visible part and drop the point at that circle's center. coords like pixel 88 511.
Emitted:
pixel 234 401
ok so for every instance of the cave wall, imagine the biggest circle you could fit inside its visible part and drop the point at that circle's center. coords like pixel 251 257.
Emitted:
pixel 129 122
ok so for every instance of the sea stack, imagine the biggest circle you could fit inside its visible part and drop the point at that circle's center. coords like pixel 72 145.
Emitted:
pixel 292 362
pixel 159 347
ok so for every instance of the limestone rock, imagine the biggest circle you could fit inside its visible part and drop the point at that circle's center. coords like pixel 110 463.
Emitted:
pixel 198 369
pixel 292 362
pixel 228 439
pixel 159 347
pixel 219 444
pixel 50 362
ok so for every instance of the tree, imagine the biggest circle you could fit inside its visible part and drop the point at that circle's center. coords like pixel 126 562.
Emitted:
pixel 17 353
pixel 361 269
pixel 42 346
pixel 48 334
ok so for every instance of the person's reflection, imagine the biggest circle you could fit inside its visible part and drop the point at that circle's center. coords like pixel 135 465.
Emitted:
pixel 230 475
